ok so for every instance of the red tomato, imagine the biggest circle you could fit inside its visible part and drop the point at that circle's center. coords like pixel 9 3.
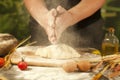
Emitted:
pixel 2 62
pixel 22 65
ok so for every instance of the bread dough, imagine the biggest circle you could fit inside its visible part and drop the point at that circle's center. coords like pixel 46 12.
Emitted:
pixel 57 51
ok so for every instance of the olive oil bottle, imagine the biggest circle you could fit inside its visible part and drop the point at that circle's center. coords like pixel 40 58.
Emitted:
pixel 110 44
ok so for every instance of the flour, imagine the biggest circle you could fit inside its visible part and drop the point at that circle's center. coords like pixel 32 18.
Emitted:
pixel 57 51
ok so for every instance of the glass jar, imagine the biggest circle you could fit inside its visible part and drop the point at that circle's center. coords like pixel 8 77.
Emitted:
pixel 110 44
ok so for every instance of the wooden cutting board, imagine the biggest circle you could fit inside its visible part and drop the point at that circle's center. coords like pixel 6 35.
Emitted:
pixel 35 60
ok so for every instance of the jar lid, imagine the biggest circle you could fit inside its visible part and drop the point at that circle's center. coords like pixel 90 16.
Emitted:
pixel 111 29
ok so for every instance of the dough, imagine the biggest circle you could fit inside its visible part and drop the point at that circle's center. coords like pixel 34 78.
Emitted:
pixel 57 51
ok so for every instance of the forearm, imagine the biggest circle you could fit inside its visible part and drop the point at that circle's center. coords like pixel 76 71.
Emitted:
pixel 36 8
pixel 84 9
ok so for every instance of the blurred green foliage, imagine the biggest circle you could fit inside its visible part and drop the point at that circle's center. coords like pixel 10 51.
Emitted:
pixel 14 18
pixel 111 14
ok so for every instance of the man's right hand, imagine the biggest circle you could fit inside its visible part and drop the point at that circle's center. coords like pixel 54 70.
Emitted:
pixel 48 23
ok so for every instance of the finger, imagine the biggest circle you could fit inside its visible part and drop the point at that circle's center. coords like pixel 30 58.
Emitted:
pixel 53 39
pixel 52 15
pixel 54 12
pixel 51 35
pixel 58 34
pixel 61 10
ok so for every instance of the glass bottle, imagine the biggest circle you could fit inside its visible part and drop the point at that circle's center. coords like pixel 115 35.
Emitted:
pixel 110 44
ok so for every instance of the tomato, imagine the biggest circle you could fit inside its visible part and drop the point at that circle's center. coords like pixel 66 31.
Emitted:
pixel 2 62
pixel 22 65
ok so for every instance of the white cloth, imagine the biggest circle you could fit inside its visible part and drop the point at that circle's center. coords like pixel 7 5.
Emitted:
pixel 43 73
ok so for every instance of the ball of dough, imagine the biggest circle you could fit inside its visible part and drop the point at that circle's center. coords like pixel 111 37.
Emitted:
pixel 57 51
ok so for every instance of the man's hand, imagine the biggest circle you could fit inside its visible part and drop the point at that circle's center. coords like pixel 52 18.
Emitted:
pixel 55 22
pixel 48 23
pixel 62 21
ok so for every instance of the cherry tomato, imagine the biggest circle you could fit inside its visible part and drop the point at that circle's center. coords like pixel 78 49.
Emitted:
pixel 22 65
pixel 2 62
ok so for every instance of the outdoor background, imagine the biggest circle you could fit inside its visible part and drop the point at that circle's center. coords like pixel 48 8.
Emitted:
pixel 14 18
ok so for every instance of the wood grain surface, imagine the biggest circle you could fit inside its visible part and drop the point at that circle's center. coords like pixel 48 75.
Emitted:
pixel 34 60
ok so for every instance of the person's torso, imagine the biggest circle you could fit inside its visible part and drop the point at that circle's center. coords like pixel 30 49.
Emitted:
pixel 67 4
